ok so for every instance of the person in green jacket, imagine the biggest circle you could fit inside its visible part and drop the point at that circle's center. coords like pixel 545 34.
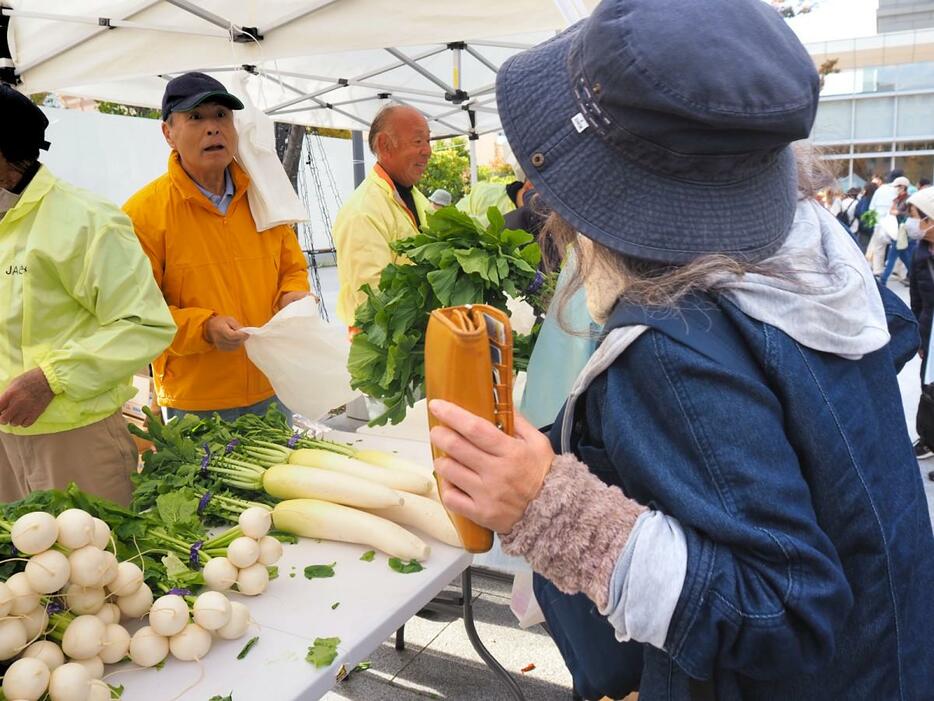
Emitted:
pixel 80 314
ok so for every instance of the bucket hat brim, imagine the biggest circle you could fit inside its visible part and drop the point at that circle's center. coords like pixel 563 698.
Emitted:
pixel 618 202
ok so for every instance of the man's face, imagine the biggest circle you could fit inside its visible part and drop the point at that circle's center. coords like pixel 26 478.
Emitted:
pixel 9 176
pixel 405 147
pixel 204 137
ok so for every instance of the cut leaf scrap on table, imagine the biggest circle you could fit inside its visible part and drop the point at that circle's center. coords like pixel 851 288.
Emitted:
pixel 319 571
pixel 323 651
pixel 404 567
pixel 368 556
pixel 246 648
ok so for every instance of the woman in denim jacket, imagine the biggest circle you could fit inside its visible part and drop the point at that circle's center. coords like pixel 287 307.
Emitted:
pixel 730 489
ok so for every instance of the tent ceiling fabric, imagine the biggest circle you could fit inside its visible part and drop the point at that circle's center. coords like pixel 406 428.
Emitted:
pixel 306 47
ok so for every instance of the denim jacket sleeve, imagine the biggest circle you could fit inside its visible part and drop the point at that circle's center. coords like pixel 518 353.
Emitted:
pixel 764 587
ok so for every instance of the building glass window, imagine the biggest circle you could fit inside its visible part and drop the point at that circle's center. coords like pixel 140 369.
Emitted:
pixel 881 147
pixel 865 168
pixel 833 121
pixel 915 115
pixel 874 118
pixel 916 167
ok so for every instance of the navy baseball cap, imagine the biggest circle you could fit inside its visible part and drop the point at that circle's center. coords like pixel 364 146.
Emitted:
pixel 22 126
pixel 661 128
pixel 187 91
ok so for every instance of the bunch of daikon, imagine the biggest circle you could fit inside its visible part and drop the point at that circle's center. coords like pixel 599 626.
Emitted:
pixel 365 499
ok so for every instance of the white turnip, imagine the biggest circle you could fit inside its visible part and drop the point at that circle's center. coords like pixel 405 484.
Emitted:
pixel 220 574
pixel 101 536
pixel 48 571
pixel 84 638
pixel 136 604
pixel 253 580
pixel 270 550
pixel 99 691
pixel 13 638
pixel 109 613
pixel 237 625
pixel 109 567
pixel 193 643
pixel 82 600
pixel 255 522
pixel 129 577
pixel 34 532
pixel 243 552
pixel 87 566
pixel 25 598
pixel 75 528
pixel 169 615
pixel 116 643
pixel 94 666
pixel 6 599
pixel 35 622
pixel 47 651
pixel 70 682
pixel 148 648
pixel 211 610
pixel 26 679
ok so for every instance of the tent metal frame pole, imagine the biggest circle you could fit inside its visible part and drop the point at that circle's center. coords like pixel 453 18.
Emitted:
pixel 329 105
pixel 481 58
pixel 501 44
pixel 269 77
pixel 472 143
pixel 110 23
pixel 207 16
pixel 351 82
pixel 421 70
pixel 141 7
pixel 298 14
pixel 456 129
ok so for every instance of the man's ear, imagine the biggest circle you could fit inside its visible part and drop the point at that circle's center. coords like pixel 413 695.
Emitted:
pixel 167 133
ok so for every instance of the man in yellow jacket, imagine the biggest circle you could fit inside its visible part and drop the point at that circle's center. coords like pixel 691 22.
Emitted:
pixel 80 315
pixel 217 272
pixel 385 207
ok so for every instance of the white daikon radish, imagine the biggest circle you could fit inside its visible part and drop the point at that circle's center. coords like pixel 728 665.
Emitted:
pixel 6 599
pixel 109 613
pixel 101 536
pixel 109 567
pixel 219 574
pixel 253 580
pixel 70 682
pixel 94 665
pixel 193 643
pixel 34 532
pixel 35 622
pixel 47 651
pixel 99 691
pixel 243 552
pixel 137 604
pixel 25 598
pixel 313 518
pixel 87 566
pixel 403 480
pixel 48 571
pixel 300 482
pixel 426 515
pixel 75 528
pixel 169 615
pixel 255 522
pixel 26 679
pixel 237 625
pixel 270 550
pixel 82 600
pixel 148 648
pixel 116 643
pixel 211 610
pixel 129 577
pixel 13 638
pixel 84 638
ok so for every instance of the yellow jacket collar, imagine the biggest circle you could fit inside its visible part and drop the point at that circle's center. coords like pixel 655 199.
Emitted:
pixel 43 181
pixel 183 182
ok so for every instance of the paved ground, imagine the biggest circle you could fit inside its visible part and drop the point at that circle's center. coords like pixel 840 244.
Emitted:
pixel 439 662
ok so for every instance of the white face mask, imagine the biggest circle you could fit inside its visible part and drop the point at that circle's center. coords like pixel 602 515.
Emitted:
pixel 7 201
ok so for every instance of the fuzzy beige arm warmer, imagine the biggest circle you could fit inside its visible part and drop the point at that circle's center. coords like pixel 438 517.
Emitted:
pixel 574 531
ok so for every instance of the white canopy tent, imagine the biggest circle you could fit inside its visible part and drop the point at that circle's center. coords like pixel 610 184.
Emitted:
pixel 319 62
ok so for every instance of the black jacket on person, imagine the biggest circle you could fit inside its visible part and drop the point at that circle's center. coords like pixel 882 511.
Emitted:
pixel 922 291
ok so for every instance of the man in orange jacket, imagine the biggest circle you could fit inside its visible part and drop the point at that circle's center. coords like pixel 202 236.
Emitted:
pixel 217 272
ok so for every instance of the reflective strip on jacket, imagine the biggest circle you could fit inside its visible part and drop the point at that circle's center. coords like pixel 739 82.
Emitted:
pixel 372 217
pixel 209 263
pixel 77 301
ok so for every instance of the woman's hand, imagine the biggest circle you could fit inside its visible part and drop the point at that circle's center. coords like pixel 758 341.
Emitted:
pixel 491 477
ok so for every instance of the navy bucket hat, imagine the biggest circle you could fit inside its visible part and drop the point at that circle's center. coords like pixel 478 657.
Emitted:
pixel 661 128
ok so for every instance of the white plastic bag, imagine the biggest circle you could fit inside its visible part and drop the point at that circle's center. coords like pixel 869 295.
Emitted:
pixel 304 357
pixel 524 604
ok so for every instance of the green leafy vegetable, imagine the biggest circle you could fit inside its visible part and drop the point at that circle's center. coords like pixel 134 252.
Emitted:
pixel 404 567
pixel 335 605
pixel 229 697
pixel 452 261
pixel 246 648
pixel 313 571
pixel 368 556
pixel 323 652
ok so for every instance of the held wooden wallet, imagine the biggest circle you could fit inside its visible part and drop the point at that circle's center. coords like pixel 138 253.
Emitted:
pixel 468 361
